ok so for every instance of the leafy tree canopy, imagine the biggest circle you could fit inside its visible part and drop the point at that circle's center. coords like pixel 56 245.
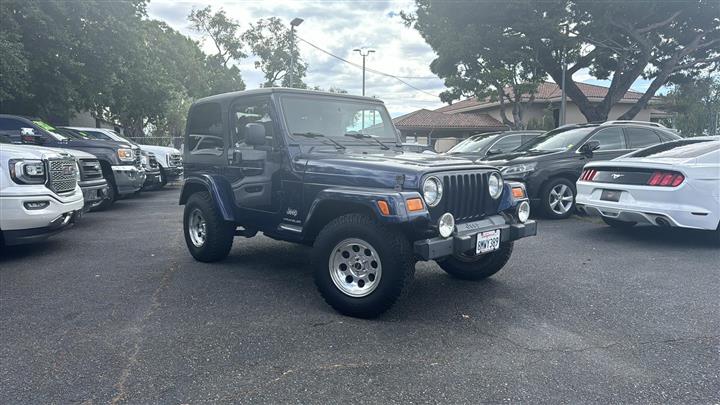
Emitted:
pixel 695 106
pixel 271 41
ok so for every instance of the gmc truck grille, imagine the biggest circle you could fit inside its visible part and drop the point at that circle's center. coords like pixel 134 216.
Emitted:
pixel 90 169
pixel 62 177
pixel 465 196
pixel 175 160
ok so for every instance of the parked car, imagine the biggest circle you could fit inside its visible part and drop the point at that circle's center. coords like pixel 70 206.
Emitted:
pixel 169 159
pixel 153 175
pixel 418 148
pixel 39 193
pixel 120 162
pixel 485 145
pixel 550 164
pixel 676 184
pixel 91 180
pixel 305 167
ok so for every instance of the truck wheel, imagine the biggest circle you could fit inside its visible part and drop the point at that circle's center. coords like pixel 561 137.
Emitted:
pixel 207 235
pixel 163 179
pixel 477 267
pixel 618 224
pixel 110 199
pixel 361 267
pixel 557 198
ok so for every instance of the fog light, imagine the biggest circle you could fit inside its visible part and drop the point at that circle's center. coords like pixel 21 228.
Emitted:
pixel 523 211
pixel 446 225
pixel 36 205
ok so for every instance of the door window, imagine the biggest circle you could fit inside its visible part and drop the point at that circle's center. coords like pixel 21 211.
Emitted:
pixel 641 137
pixel 610 139
pixel 507 144
pixel 205 135
pixel 249 111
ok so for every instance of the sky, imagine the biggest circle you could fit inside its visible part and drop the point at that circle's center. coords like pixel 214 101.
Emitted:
pixel 339 27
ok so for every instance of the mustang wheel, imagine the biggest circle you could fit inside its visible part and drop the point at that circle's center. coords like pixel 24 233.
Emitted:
pixel 558 198
pixel 207 235
pixel 469 267
pixel 361 267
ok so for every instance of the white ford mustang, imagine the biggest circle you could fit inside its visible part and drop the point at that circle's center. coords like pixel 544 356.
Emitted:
pixel 675 184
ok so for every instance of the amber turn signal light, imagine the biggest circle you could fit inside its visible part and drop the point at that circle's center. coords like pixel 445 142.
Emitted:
pixel 384 207
pixel 518 192
pixel 414 204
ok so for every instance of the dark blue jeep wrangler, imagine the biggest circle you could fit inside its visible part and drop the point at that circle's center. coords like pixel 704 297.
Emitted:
pixel 329 170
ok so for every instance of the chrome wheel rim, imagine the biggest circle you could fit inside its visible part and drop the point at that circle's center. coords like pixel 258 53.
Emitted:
pixel 561 199
pixel 355 267
pixel 197 228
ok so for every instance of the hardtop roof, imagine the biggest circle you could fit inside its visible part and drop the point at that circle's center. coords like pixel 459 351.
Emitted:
pixel 281 90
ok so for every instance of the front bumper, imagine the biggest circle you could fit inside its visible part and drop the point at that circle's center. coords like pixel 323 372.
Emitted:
pixel 173 173
pixel 94 193
pixel 465 237
pixel 128 179
pixel 152 178
pixel 34 235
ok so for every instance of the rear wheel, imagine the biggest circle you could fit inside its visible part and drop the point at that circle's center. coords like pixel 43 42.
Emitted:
pixel 557 198
pixel 618 224
pixel 469 267
pixel 208 236
pixel 361 267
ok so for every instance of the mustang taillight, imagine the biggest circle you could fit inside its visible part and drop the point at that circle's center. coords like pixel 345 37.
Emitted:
pixel 588 175
pixel 666 179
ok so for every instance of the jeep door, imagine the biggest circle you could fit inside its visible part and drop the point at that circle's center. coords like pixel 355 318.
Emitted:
pixel 254 167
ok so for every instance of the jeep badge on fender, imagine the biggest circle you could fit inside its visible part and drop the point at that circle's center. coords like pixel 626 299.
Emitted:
pixel 328 170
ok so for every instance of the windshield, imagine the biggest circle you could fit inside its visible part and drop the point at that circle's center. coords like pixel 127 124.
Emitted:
pixel 50 130
pixel 685 149
pixel 473 144
pixel 70 133
pixel 556 141
pixel 337 118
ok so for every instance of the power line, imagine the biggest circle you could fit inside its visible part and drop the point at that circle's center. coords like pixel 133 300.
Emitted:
pixel 368 69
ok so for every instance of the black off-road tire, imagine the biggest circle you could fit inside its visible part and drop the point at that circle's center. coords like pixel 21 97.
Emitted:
pixel 163 179
pixel 478 267
pixel 618 224
pixel 219 233
pixel 544 195
pixel 111 196
pixel 396 257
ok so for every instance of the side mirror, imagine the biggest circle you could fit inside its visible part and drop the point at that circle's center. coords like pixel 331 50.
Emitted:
pixel 255 134
pixel 494 152
pixel 589 147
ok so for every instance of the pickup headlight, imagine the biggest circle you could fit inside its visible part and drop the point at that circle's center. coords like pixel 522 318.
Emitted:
pixel 27 171
pixel 432 191
pixel 126 155
pixel 495 185
pixel 516 170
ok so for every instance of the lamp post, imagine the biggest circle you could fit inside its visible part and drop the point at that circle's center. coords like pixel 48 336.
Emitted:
pixel 364 52
pixel 294 23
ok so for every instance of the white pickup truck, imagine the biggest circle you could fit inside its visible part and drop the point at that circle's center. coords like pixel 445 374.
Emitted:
pixel 39 193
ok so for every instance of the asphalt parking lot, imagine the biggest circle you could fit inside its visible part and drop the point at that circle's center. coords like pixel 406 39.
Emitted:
pixel 115 310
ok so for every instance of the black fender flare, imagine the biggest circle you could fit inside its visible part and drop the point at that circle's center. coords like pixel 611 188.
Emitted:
pixel 219 189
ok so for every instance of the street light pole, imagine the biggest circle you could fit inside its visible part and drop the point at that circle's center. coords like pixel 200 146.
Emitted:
pixel 364 52
pixel 294 23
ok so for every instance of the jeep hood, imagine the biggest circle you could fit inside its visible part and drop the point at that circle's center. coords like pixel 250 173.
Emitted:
pixel 375 168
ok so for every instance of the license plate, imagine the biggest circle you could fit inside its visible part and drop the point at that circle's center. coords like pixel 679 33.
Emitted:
pixel 610 195
pixel 488 241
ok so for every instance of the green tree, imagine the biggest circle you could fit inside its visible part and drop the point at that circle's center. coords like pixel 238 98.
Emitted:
pixel 695 106
pixel 270 40
pixel 663 41
pixel 223 31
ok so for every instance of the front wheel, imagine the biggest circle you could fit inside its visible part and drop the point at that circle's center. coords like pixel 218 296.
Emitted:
pixel 468 267
pixel 208 236
pixel 361 266
pixel 557 198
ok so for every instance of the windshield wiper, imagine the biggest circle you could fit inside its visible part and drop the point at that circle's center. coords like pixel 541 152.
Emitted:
pixel 370 137
pixel 319 135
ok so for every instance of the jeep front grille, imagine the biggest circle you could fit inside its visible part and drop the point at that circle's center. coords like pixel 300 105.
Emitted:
pixel 90 169
pixel 465 196
pixel 62 177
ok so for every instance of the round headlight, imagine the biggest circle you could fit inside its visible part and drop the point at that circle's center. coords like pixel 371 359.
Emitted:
pixel 432 191
pixel 495 185
pixel 523 211
pixel 446 225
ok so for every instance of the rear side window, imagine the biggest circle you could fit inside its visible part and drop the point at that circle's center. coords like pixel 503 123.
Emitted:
pixel 205 134
pixel 8 124
pixel 641 137
pixel 610 139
